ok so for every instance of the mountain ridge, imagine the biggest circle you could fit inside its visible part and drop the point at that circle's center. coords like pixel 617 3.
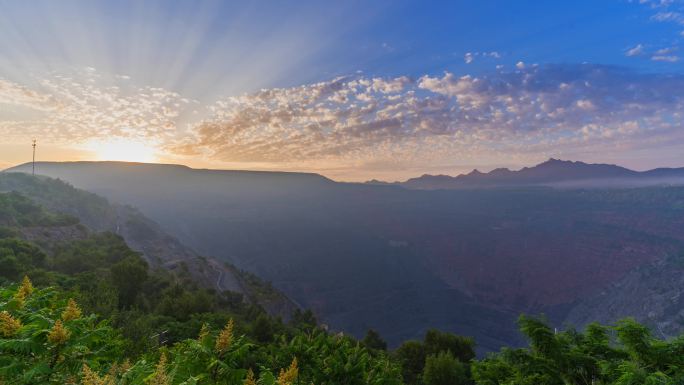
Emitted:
pixel 553 172
pixel 466 260
pixel 161 166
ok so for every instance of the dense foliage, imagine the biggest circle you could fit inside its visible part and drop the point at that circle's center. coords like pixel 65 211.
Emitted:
pixel 624 354
pixel 18 210
pixel 99 315
pixel 46 339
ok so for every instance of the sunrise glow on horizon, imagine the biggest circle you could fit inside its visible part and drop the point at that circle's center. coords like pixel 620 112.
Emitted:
pixel 289 86
pixel 121 150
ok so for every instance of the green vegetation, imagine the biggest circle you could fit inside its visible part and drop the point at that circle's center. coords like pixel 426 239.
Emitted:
pixel 100 315
pixel 145 325
pixel 18 210
pixel 625 354
pixel 46 338
pixel 58 195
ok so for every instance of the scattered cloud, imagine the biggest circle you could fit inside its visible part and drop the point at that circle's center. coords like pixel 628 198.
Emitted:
pixel 665 58
pixel 532 109
pixel 469 57
pixel 665 11
pixel 387 47
pixel 355 120
pixel 79 107
pixel 666 51
pixel 15 94
pixel 674 17
pixel 637 50
pixel 666 55
pixel 657 3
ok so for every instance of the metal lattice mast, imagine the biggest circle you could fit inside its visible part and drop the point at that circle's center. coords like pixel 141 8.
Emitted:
pixel 33 171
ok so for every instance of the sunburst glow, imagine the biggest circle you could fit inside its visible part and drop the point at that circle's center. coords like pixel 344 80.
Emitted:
pixel 337 88
pixel 124 150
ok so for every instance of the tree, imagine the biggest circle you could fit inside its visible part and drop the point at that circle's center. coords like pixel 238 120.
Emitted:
pixel 304 320
pixel 444 369
pixel 262 330
pixel 372 340
pixel 411 355
pixel 128 276
pixel 462 348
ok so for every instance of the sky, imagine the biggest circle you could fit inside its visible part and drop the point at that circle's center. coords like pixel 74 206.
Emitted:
pixel 354 90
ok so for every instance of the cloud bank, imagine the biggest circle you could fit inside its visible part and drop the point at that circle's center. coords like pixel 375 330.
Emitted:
pixel 537 108
pixel 357 122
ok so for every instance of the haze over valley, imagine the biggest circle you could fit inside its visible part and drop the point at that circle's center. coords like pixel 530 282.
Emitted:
pixel 467 257
pixel 384 192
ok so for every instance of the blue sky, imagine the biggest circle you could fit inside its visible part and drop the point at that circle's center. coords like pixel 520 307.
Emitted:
pixel 381 38
pixel 386 89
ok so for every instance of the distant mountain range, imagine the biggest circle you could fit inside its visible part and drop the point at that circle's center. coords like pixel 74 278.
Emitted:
pixel 553 172
pixel 467 259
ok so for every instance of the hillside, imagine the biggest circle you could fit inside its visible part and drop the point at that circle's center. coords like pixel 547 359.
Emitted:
pixel 401 260
pixel 94 312
pixel 106 319
pixel 80 213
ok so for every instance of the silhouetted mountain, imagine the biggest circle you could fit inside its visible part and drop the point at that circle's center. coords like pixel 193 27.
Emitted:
pixel 552 172
pixel 401 260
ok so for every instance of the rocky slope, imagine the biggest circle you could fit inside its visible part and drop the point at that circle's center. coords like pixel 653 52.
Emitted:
pixel 653 294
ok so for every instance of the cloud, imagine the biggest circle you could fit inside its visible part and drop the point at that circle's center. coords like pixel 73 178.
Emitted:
pixel 667 50
pixel 469 57
pixel 674 17
pixel 660 55
pixel 353 121
pixel 635 51
pixel 78 107
pixel 665 58
pixel 18 95
pixel 666 55
pixel 657 3
pixel 663 11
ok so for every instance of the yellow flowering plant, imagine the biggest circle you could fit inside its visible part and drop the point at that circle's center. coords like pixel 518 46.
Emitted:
pixel 225 338
pixel 9 326
pixel 71 312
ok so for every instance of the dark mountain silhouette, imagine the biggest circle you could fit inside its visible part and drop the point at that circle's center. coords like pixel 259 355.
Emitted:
pixel 552 172
pixel 401 260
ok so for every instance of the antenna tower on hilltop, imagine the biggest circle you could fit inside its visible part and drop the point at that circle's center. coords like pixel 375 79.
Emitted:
pixel 33 164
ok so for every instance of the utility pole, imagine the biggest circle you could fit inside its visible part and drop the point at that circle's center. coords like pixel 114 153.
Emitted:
pixel 34 158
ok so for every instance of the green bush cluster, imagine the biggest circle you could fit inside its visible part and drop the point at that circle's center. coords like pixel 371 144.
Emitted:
pixel 18 210
pixel 624 354
pixel 46 339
